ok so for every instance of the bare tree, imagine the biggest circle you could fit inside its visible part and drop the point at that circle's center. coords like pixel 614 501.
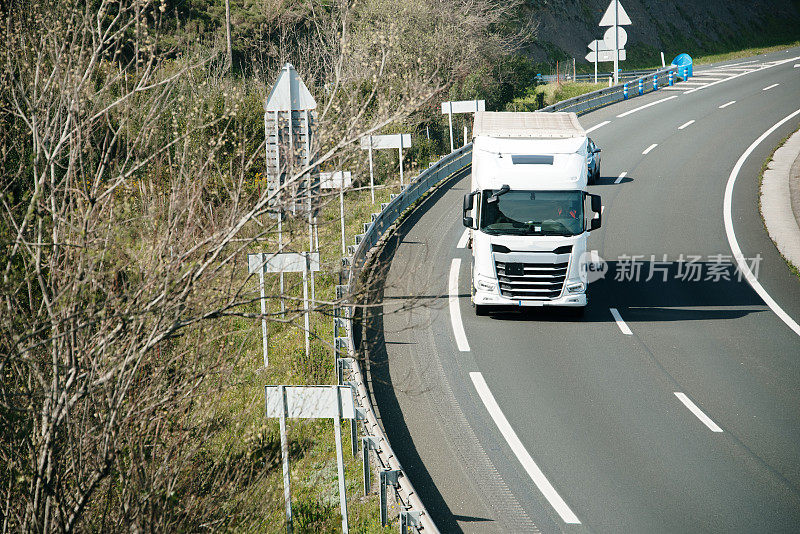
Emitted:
pixel 126 206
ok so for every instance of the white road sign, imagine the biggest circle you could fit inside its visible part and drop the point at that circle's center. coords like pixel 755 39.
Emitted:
pixel 599 45
pixel 608 18
pixel 604 56
pixel 286 262
pixel 335 180
pixel 311 402
pixel 608 38
pixel 463 106
pixel 386 141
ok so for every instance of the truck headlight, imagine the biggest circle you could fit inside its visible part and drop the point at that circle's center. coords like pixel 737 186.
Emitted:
pixel 485 284
pixel 577 287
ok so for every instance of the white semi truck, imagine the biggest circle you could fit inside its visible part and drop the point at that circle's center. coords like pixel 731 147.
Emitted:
pixel 529 212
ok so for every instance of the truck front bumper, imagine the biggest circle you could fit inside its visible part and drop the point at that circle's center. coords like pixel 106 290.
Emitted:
pixel 489 298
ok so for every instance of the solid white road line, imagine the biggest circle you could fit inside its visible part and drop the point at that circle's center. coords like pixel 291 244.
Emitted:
pixel 620 323
pixel 464 238
pixel 521 453
pixel 734 244
pixel 726 104
pixel 698 412
pixel 621 176
pixel 455 309
pixel 685 124
pixel 646 106
pixel 596 126
pixel 744 73
pixel 648 149
pixel 767 88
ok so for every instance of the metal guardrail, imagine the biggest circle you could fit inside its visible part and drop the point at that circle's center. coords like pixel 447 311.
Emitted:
pixel 414 515
pixel 601 76
pixel 585 103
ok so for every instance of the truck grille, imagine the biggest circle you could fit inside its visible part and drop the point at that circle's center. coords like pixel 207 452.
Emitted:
pixel 531 280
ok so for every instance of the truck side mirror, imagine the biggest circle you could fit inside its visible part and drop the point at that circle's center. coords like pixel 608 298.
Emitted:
pixel 597 207
pixel 469 222
pixel 597 203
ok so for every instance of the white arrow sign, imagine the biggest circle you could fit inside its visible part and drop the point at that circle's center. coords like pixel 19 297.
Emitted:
pixel 604 56
pixel 608 18
pixel 599 45
pixel 608 38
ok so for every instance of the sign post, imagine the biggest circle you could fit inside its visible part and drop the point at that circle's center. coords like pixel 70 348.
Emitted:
pixel 398 141
pixel 311 402
pixel 289 118
pixel 615 16
pixel 461 106
pixel 285 262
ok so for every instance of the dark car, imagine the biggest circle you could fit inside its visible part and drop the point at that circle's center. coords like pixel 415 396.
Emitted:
pixel 593 161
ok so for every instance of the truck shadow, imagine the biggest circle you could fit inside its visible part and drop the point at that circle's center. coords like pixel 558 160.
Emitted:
pixel 668 295
pixel 611 180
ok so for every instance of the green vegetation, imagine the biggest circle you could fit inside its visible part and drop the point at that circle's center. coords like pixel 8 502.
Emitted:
pixel 543 95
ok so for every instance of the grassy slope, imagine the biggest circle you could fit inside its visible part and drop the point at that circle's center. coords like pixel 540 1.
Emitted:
pixel 240 414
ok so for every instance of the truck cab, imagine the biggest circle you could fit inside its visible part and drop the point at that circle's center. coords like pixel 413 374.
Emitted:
pixel 529 212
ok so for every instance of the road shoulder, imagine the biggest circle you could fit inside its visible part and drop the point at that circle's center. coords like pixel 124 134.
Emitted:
pixel 780 199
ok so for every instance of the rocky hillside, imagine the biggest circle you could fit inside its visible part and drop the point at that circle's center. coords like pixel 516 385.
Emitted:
pixel 672 26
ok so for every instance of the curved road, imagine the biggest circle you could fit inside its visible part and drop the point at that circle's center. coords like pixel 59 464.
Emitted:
pixel 554 424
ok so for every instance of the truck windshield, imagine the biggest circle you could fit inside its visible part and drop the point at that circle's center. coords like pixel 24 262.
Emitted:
pixel 532 213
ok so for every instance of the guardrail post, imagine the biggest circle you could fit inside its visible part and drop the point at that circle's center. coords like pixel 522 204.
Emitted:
pixel 670 78
pixel 641 87
pixel 625 90
pixel 387 476
pixel 655 82
pixel 368 443
pixel 408 519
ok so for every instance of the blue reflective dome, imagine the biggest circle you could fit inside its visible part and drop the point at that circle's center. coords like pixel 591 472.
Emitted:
pixel 684 60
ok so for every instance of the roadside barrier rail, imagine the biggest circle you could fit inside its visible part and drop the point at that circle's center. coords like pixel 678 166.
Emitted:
pixel 601 76
pixel 653 81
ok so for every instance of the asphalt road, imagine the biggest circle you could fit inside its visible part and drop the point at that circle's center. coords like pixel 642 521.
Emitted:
pixel 594 407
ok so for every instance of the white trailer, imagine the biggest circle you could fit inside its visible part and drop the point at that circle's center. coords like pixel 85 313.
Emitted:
pixel 529 212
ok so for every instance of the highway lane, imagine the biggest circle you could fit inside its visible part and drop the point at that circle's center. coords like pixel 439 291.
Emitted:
pixel 596 408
